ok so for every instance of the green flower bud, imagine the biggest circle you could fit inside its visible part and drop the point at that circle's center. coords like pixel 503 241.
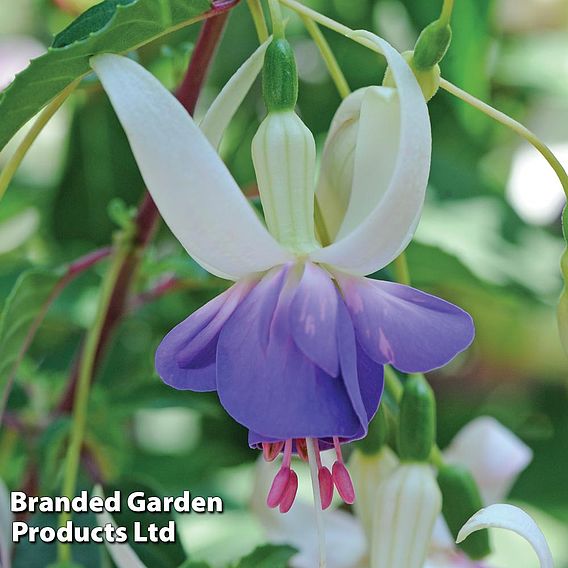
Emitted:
pixel 377 435
pixel 417 427
pixel 428 79
pixel 461 499
pixel 432 45
pixel 279 76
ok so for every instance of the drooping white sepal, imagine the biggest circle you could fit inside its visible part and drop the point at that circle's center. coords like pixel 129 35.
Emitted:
pixel 227 102
pixel 194 191
pixel 509 517
pixel 284 157
pixel 406 507
pixel 374 237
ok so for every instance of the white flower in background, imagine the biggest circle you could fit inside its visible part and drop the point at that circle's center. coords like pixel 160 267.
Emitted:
pixel 495 457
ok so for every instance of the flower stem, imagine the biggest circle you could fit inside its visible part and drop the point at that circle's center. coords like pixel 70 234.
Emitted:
pixel 446 14
pixel 401 270
pixel 14 162
pixel 74 269
pixel 86 371
pixel 312 460
pixel 327 54
pixel 514 126
pixel 255 8
pixel 276 16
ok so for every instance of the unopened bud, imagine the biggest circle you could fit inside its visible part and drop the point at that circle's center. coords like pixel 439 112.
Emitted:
pixel 406 508
pixel 432 45
pixel 279 76
pixel 461 501
pixel 417 427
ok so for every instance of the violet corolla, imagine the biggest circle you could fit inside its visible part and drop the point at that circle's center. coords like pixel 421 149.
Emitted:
pixel 296 347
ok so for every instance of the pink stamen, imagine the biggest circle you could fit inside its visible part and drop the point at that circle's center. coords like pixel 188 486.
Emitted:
pixel 325 481
pixel 343 482
pixel 270 450
pixel 286 460
pixel 278 488
pixel 290 493
pixel 337 447
pixel 282 478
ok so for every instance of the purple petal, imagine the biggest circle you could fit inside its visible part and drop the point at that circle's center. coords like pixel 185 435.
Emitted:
pixel 371 382
pixel 273 388
pixel 186 357
pixel 396 324
pixel 349 366
pixel 313 318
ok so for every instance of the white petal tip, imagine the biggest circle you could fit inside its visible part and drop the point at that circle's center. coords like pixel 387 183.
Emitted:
pixel 511 518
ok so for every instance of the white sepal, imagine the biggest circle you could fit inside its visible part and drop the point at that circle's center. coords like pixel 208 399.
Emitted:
pixel 231 96
pixel 284 157
pixel 509 517
pixel 367 472
pixel 194 191
pixel 388 227
pixel 406 507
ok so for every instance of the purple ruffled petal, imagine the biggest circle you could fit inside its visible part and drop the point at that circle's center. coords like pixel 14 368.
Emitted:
pixel 397 324
pixel 272 387
pixel 371 382
pixel 186 357
pixel 313 316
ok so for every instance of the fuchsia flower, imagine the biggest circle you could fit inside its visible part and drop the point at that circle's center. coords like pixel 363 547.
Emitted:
pixel 296 347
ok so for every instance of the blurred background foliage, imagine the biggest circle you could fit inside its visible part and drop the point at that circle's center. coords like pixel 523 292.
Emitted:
pixel 489 240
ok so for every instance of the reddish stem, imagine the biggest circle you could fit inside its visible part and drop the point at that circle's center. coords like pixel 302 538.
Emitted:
pixel 148 216
pixel 73 270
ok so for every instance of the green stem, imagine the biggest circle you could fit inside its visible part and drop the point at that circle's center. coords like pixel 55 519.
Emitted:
pixel 515 126
pixel 255 8
pixel 446 14
pixel 327 54
pixel 401 270
pixel 277 20
pixel 14 162
pixel 81 401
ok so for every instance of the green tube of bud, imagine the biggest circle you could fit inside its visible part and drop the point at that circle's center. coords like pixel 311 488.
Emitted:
pixel 417 420
pixel 461 499
pixel 279 76
pixel 377 436
pixel 432 45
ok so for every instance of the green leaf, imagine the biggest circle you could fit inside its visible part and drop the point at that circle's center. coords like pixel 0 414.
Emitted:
pixel 268 556
pixel 88 22
pixel 164 555
pixel 194 564
pixel 114 26
pixel 22 312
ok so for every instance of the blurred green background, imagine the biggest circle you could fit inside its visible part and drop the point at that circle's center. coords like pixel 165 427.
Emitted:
pixel 489 240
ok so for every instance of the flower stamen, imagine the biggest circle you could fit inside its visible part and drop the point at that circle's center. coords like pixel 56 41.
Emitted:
pixel 341 477
pixel 271 450
pixel 285 484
